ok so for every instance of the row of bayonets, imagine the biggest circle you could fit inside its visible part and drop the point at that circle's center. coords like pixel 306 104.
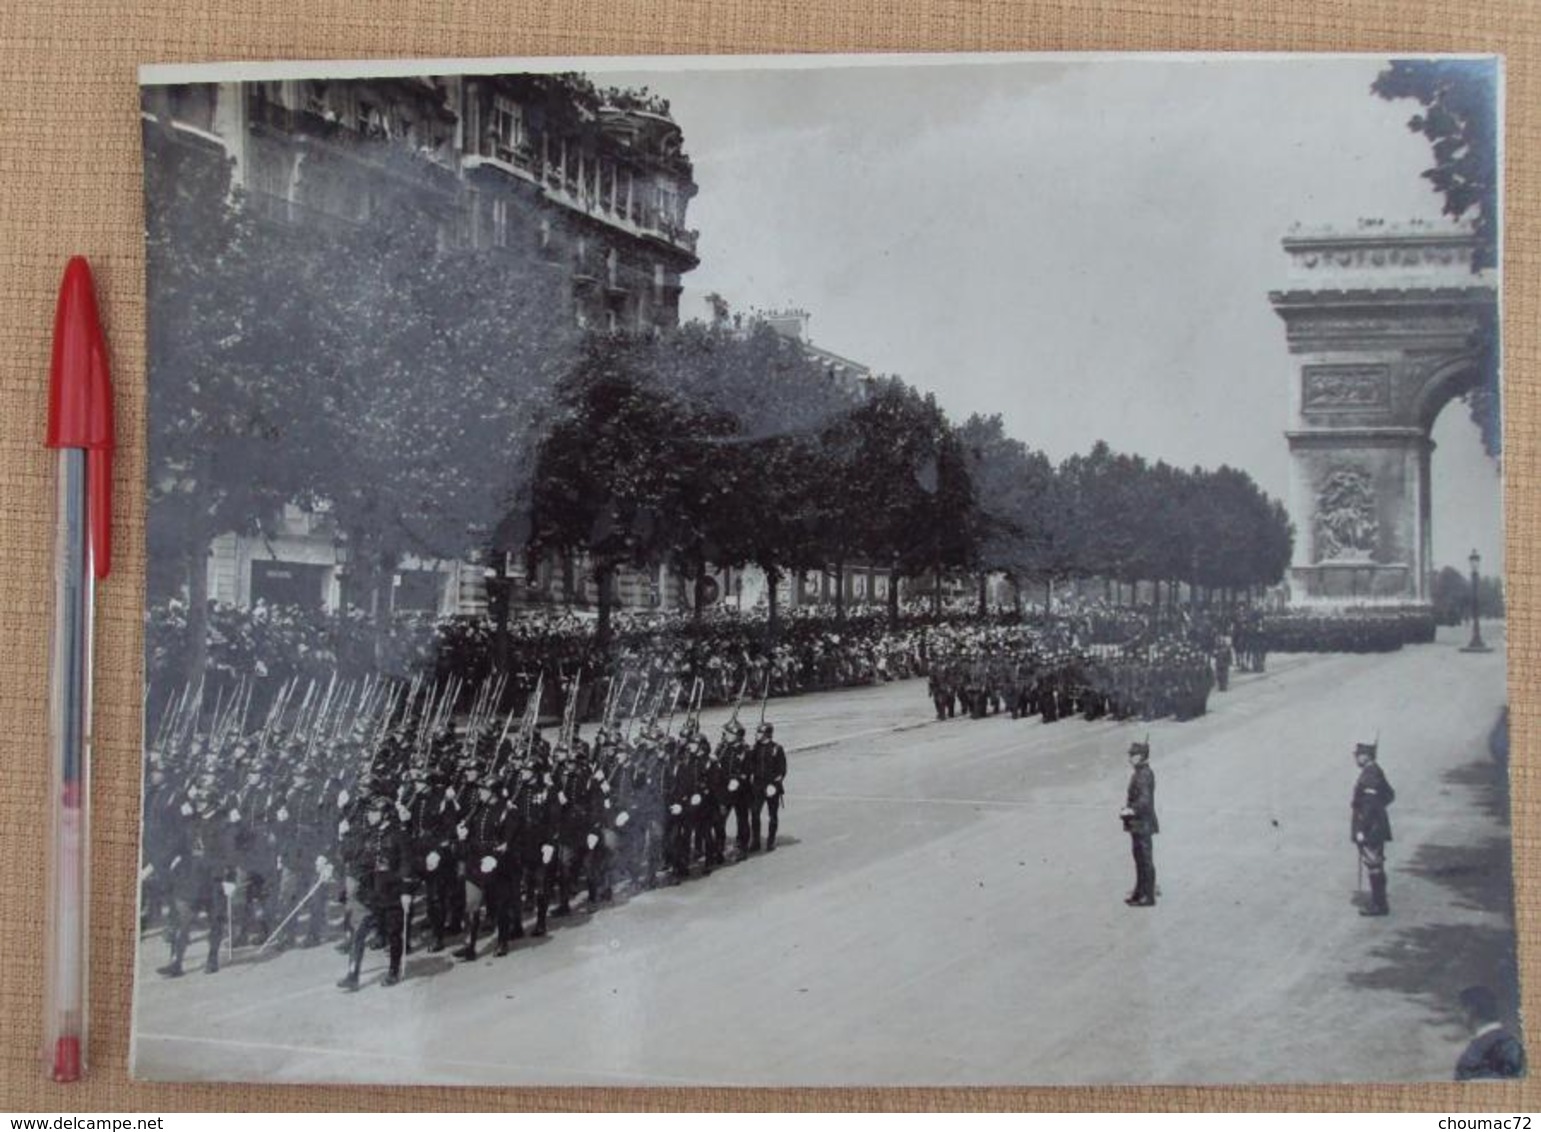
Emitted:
pixel 366 709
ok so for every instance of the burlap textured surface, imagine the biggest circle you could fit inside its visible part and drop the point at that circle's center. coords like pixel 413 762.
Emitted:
pixel 69 182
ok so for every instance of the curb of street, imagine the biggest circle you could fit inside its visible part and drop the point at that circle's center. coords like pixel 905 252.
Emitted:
pixel 860 735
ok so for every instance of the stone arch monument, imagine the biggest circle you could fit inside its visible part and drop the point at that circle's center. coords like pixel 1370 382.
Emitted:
pixel 1385 324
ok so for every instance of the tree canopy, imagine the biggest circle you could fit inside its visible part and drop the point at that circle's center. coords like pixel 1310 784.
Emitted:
pixel 429 398
pixel 1460 120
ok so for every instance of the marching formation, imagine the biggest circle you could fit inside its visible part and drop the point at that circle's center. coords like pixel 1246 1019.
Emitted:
pixel 442 811
pixel 374 796
pixel 1052 677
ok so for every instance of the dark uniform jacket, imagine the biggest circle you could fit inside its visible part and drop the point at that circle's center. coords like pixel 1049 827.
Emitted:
pixel 612 794
pixel 734 756
pixel 576 798
pixel 644 790
pixel 434 814
pixel 1372 794
pixel 490 835
pixel 535 814
pixel 684 782
pixel 376 856
pixel 1142 801
pixel 1495 1053
pixel 198 852
pixel 768 765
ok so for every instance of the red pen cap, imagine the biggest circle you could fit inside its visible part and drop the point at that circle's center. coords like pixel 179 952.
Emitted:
pixel 80 399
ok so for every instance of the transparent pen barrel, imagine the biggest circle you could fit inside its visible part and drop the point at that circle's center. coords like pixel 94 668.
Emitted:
pixel 64 989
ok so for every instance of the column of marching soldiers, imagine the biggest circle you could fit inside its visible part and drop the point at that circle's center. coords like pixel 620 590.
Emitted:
pixel 1029 675
pixel 374 795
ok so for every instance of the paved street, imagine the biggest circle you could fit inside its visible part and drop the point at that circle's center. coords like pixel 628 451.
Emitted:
pixel 945 907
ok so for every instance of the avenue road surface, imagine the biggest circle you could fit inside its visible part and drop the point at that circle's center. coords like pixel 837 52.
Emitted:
pixel 946 907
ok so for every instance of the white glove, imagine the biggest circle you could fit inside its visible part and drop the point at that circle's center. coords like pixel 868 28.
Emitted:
pixel 342 798
pixel 733 785
pixel 283 813
pixel 432 860
pixel 406 901
pixel 235 814
pixel 621 819
pixel 592 840
pixel 323 866
pixel 461 832
pixel 604 788
pixel 675 809
pixel 561 796
pixel 402 812
pixel 343 827
pixel 489 863
pixel 695 799
pixel 1359 837
pixel 770 789
pixel 546 853
pixel 228 888
pixel 187 809
pixel 147 872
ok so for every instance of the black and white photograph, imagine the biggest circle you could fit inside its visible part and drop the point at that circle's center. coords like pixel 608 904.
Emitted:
pixel 691 571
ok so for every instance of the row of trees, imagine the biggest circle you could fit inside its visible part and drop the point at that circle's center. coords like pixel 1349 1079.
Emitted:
pixel 430 399
pixel 709 447
pixel 1450 594
pixel 380 374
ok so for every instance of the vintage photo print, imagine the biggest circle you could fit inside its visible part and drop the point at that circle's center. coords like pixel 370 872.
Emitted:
pixel 692 572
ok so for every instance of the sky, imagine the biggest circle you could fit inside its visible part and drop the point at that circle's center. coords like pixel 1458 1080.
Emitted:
pixel 1085 247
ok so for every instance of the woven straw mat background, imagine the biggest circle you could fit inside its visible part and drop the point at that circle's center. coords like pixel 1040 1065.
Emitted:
pixel 70 182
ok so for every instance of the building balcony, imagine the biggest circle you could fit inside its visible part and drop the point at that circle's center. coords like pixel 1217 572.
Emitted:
pixel 633 221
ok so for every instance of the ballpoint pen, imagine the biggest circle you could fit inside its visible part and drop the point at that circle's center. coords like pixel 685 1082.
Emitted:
pixel 80 426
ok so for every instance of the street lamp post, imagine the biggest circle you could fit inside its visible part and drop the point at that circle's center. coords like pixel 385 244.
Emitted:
pixel 1476 644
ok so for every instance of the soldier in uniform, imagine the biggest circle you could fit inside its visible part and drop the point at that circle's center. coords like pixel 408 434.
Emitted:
pixel 767 776
pixel 575 783
pixel 1370 825
pixel 1222 663
pixel 940 686
pixel 734 753
pixel 253 855
pixel 491 886
pixel 599 858
pixel 534 849
pixel 645 793
pixel 160 803
pixel 681 787
pixel 1139 818
pixel 612 819
pixel 301 827
pixel 976 690
pixel 198 877
pixel 433 815
pixel 376 857
pixel 711 816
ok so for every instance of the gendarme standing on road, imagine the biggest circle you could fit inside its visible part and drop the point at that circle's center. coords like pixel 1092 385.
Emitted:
pixel 1139 818
pixel 1371 825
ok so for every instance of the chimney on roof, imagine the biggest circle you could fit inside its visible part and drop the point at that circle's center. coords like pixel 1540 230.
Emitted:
pixel 791 324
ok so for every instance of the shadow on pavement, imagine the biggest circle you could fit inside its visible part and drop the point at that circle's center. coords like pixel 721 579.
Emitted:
pixel 415 968
pixel 1434 963
pixel 1477 875
pixel 1488 778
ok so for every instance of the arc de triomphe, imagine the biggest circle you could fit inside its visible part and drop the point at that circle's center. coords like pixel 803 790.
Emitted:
pixel 1385 324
